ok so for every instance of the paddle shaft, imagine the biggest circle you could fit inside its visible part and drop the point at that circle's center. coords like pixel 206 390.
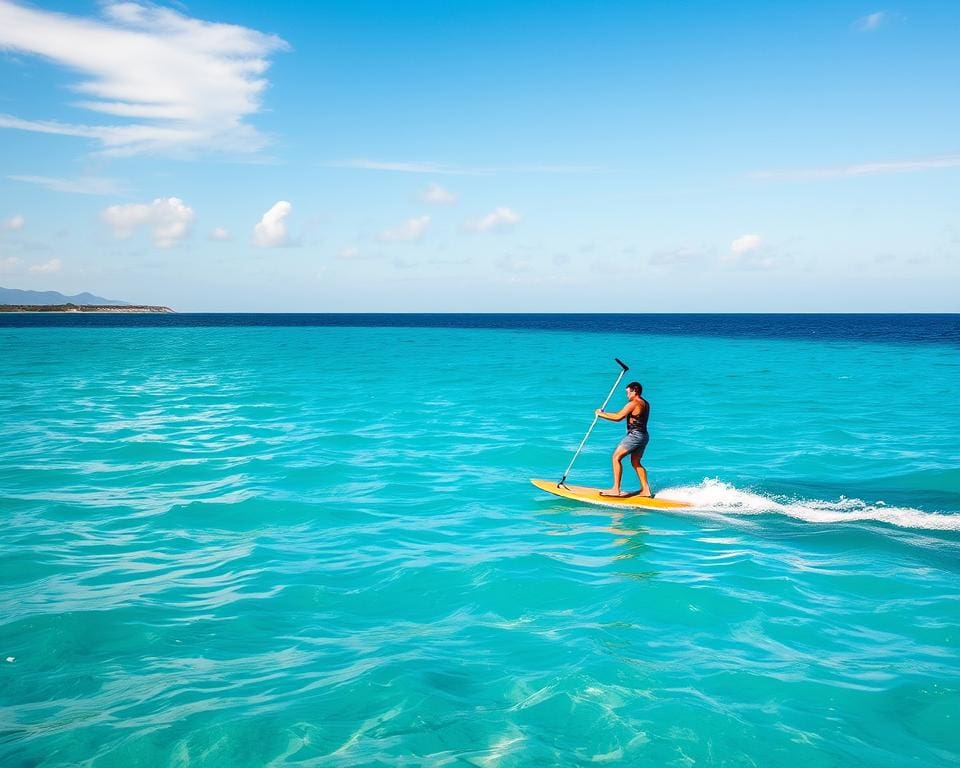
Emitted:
pixel 623 369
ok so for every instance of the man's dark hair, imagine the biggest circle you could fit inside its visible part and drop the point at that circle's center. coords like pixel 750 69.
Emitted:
pixel 635 386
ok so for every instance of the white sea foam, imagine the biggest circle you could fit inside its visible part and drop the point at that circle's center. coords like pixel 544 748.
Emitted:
pixel 718 497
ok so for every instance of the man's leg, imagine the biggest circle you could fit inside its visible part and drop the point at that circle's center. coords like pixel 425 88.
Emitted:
pixel 617 472
pixel 641 473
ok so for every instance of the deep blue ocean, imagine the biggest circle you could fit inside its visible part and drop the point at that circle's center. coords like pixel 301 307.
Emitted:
pixel 311 540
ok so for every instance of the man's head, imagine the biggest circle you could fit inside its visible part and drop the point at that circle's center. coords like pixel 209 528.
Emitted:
pixel 635 388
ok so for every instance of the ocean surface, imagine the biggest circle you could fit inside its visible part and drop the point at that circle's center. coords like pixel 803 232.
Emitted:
pixel 311 540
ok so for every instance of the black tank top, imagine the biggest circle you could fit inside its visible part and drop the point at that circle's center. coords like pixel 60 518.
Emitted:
pixel 638 423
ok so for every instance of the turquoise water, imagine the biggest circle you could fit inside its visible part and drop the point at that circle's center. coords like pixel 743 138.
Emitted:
pixel 249 546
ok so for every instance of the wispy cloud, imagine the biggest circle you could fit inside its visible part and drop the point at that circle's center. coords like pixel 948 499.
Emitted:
pixel 434 194
pixel 861 169
pixel 353 253
pixel 551 169
pixel 271 230
pixel 87 185
pixel 679 257
pixel 169 218
pixel 411 230
pixel 432 168
pixel 13 223
pixel 872 21
pixel 746 244
pixel 47 268
pixel 500 219
pixel 513 264
pixel 9 265
pixel 220 234
pixel 752 252
pixel 180 85
pixel 403 166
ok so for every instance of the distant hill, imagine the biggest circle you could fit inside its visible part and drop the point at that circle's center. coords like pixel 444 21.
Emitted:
pixel 16 296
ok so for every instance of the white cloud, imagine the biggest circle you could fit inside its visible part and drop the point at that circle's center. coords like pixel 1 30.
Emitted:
pixel 87 185
pixel 14 222
pixel 219 233
pixel 348 254
pixel 752 252
pixel 871 21
pixel 745 244
pixel 502 218
pixel 271 230
pixel 179 84
pixel 168 217
pixel 47 268
pixel 410 231
pixel 861 169
pixel 437 195
pixel 9 265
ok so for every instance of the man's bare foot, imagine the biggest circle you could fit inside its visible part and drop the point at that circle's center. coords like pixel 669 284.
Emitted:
pixel 614 492
pixel 647 495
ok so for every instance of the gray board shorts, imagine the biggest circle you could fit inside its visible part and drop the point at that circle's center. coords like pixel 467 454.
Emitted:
pixel 635 442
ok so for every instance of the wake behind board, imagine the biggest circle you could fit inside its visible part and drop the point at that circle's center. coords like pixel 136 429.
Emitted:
pixel 592 496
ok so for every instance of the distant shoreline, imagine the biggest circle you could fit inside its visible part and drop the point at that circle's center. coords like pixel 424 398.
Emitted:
pixel 128 309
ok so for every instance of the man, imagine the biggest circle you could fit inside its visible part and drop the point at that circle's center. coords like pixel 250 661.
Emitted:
pixel 636 412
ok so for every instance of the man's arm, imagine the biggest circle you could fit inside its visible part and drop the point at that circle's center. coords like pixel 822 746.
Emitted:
pixel 618 416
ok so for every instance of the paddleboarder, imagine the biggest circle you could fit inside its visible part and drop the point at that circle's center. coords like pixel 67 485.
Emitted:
pixel 636 412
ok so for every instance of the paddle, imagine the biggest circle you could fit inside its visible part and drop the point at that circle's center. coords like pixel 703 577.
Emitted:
pixel 624 368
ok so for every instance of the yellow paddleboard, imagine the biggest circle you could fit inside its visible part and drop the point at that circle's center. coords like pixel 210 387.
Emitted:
pixel 592 496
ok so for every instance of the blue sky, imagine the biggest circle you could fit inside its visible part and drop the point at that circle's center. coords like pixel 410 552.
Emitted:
pixel 455 156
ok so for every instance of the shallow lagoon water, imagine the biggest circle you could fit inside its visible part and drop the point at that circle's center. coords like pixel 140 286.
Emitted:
pixel 230 543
